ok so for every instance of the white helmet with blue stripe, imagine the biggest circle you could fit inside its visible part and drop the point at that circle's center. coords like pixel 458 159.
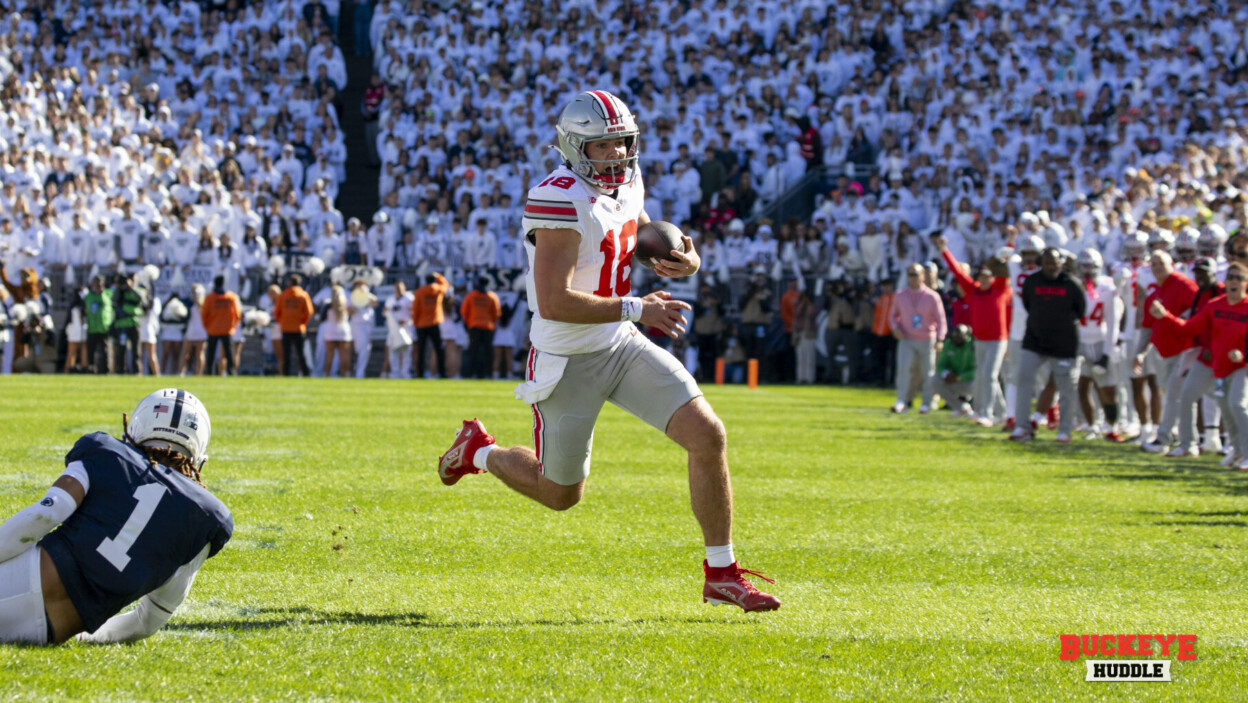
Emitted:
pixel 174 417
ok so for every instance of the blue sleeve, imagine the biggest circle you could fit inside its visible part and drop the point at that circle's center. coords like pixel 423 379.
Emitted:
pixel 89 444
pixel 225 530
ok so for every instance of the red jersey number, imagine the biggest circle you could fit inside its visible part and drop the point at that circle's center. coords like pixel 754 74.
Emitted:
pixel 563 182
pixel 1097 316
pixel 619 262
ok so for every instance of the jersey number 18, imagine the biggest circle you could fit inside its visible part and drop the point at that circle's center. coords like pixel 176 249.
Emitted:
pixel 620 261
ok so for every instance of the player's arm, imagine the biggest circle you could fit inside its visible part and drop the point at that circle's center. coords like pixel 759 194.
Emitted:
pixel 554 263
pixel 153 610
pixel 1113 309
pixel 32 523
pixel 967 283
pixel 686 263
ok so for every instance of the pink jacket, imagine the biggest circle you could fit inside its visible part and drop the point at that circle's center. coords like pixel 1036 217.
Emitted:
pixel 918 314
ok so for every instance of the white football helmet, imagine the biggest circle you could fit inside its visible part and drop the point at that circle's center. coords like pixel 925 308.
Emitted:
pixel 1211 241
pixel 1030 244
pixel 593 116
pixel 1162 239
pixel 1135 245
pixel 175 416
pixel 1090 263
pixel 1185 245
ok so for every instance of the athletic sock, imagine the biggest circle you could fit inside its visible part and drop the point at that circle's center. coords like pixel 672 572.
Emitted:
pixel 478 459
pixel 719 557
pixel 1111 413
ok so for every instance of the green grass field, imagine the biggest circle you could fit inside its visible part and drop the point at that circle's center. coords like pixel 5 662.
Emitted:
pixel 918 558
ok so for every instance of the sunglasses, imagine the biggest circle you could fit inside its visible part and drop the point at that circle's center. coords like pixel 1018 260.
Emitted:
pixel 1235 278
pixel 1239 254
pixel 912 275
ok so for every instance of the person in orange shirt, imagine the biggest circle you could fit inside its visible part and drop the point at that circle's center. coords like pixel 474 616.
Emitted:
pixel 293 309
pixel 426 316
pixel 220 313
pixel 884 344
pixel 481 310
pixel 788 305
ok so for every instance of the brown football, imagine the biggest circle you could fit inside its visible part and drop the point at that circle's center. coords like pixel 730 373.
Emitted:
pixel 655 242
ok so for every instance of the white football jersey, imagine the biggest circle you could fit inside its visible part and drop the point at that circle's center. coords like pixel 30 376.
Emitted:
pixel 1100 321
pixel 1018 276
pixel 1141 283
pixel 608 228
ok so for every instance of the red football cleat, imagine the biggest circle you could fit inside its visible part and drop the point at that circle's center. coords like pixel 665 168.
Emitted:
pixel 1010 424
pixel 727 586
pixel 1115 437
pixel 1054 418
pixel 457 461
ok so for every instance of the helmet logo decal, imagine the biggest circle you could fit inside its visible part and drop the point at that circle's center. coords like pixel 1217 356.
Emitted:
pixel 191 420
pixel 162 408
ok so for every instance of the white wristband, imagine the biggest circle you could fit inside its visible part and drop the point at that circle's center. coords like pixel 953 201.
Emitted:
pixel 630 309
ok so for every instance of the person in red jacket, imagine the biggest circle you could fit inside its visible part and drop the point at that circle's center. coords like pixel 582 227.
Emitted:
pixel 1226 319
pixel 1196 384
pixel 1176 293
pixel 989 298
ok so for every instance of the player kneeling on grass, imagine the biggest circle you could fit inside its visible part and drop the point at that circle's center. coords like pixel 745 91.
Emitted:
pixel 580 226
pixel 135 523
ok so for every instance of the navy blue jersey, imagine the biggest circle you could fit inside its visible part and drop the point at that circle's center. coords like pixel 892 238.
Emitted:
pixel 137 525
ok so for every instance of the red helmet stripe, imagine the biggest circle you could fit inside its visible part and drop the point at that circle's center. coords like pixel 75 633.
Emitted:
pixel 607 105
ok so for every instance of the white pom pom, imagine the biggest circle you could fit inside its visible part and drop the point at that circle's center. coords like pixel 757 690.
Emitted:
pixel 336 275
pixel 256 319
pixel 277 263
pixel 20 313
pixel 376 277
pixel 314 267
pixel 176 309
pixel 150 273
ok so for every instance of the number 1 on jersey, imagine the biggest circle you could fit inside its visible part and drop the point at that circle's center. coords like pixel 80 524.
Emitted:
pixel 617 262
pixel 117 549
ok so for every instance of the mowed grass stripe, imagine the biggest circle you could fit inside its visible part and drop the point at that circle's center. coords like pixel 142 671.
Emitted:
pixel 918 558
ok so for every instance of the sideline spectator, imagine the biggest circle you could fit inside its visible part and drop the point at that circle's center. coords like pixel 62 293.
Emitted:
pixel 293 310
pixel 130 303
pixel 1226 318
pixel 427 317
pixel 1054 302
pixel 99 305
pixel 481 311
pixel 917 319
pixel 221 313
pixel 955 371
pixel 989 297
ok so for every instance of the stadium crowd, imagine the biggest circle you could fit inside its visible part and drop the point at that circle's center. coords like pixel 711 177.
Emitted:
pixel 205 139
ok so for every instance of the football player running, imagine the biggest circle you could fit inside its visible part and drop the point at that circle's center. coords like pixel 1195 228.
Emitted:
pixel 135 523
pixel 580 226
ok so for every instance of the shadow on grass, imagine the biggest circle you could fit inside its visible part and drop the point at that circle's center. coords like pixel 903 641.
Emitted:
pixel 1114 462
pixel 273 618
